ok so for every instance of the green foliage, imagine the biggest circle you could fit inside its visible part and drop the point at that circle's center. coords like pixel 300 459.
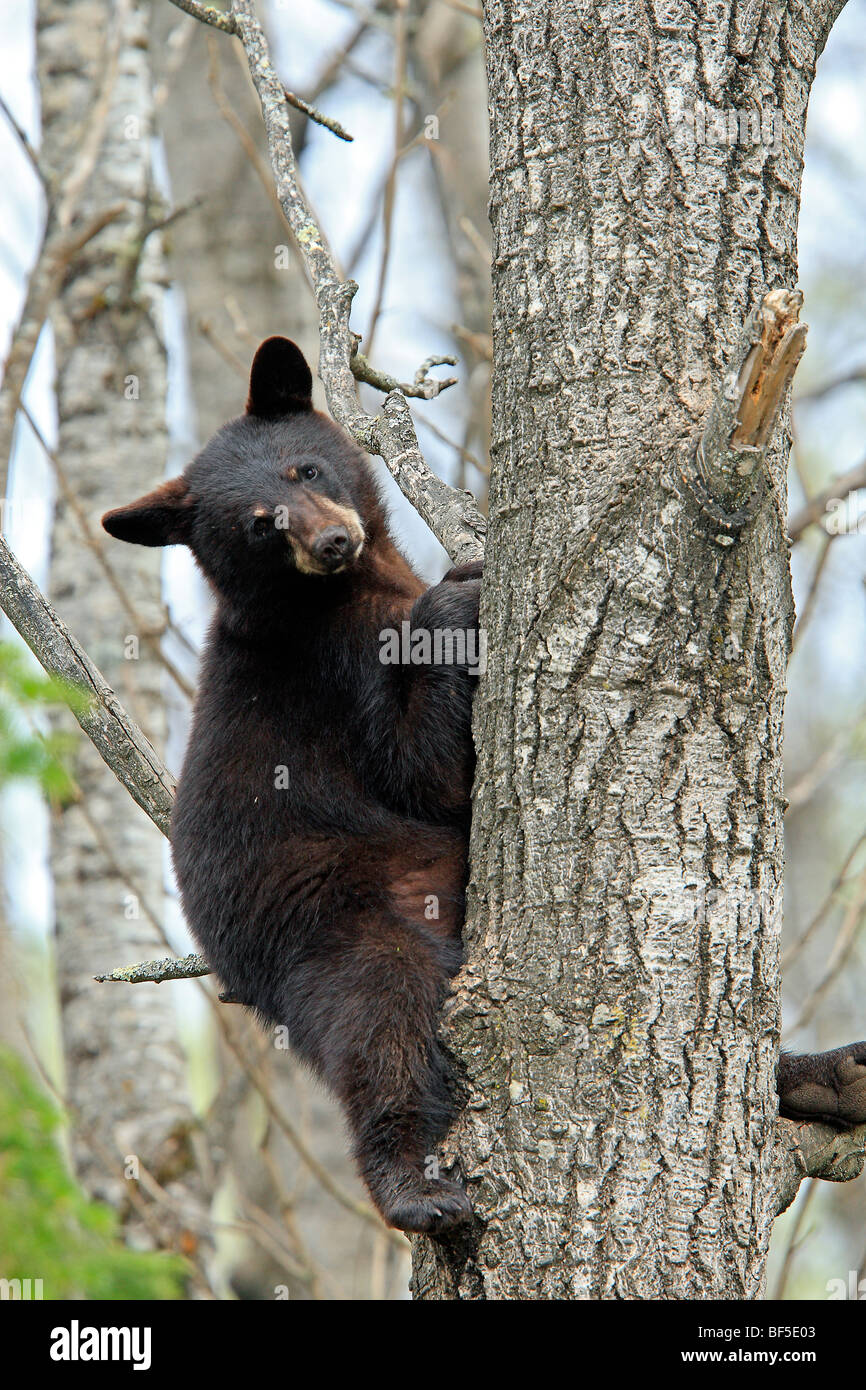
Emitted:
pixel 48 1229
pixel 25 750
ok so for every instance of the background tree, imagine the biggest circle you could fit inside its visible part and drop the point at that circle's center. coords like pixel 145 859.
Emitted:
pixel 125 1068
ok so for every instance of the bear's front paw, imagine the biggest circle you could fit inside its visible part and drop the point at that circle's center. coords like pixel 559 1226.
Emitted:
pixel 827 1086
pixel 430 1209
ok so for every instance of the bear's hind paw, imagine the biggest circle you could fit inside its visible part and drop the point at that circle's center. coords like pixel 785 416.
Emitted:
pixel 433 1208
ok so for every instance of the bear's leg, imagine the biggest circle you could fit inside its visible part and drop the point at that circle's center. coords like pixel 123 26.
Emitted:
pixel 824 1085
pixel 381 1056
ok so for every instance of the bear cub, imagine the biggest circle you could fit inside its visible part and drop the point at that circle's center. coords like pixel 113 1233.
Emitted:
pixel 319 833
pixel 320 829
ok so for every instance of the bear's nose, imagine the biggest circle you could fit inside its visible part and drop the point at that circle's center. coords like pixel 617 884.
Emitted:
pixel 332 545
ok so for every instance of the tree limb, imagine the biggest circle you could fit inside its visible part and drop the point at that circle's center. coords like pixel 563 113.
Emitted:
pixel 422 386
pixel 155 971
pixel 208 15
pixel 57 252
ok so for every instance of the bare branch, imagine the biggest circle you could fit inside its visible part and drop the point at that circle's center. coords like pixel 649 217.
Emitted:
pixel 218 19
pixel 794 1240
pixel 25 143
pixel 52 264
pixel 807 609
pixel 398 92
pixel 327 121
pixel 155 971
pixel 208 15
pixel 61 243
pixel 422 387
pixel 853 378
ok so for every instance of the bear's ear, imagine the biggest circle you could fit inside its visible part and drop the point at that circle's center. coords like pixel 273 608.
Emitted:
pixel 281 383
pixel 161 517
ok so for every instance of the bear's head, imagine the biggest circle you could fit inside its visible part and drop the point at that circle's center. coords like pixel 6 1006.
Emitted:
pixel 280 495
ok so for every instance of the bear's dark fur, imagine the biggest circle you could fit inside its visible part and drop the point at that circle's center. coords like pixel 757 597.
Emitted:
pixel 321 822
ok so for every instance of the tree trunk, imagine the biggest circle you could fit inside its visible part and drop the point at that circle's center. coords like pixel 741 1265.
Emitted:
pixel 125 1065
pixel 618 1018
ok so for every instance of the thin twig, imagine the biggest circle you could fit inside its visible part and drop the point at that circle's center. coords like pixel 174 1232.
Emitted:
pixel 794 1241
pixel 791 954
pixel 846 938
pixel 400 65
pixel 422 387
pixel 806 612
pixel 25 143
pixel 327 121
pixel 219 19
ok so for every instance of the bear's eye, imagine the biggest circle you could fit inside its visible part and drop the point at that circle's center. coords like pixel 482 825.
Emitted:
pixel 262 525
pixel 309 473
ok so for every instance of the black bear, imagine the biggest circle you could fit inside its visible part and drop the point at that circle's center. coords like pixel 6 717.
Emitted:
pixel 321 824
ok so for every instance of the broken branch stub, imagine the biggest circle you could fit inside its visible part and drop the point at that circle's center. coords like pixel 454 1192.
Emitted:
pixel 744 412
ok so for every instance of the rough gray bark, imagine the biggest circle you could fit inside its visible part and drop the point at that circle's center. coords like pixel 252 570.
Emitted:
pixel 618 1018
pixel 125 1065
